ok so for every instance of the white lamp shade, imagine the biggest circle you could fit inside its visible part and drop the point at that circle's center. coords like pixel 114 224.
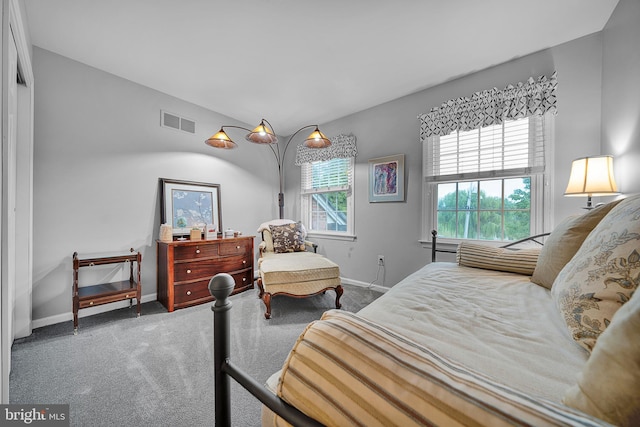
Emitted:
pixel 592 176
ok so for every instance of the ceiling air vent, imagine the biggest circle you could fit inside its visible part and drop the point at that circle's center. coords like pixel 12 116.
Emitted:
pixel 173 121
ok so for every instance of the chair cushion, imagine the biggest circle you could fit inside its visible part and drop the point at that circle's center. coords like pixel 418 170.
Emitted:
pixel 602 275
pixel 287 237
pixel 296 267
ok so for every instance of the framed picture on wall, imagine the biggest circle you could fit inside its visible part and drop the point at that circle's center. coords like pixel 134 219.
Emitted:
pixel 386 179
pixel 187 204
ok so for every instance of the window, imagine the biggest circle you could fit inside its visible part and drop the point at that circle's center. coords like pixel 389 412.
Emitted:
pixel 487 183
pixel 327 196
pixel 498 209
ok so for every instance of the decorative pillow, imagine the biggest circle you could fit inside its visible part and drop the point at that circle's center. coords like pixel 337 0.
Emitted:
pixel 609 385
pixel 287 237
pixel 522 261
pixel 563 243
pixel 602 275
pixel 264 227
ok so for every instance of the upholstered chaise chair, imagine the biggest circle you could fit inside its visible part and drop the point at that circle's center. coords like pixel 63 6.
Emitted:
pixel 289 265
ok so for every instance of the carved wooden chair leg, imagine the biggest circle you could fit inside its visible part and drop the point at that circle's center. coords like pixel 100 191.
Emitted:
pixel 260 288
pixel 267 302
pixel 339 292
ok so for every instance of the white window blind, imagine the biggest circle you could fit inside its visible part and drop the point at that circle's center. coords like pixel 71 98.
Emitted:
pixel 515 147
pixel 328 175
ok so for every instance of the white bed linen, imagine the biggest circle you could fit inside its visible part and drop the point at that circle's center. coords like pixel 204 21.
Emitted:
pixel 499 324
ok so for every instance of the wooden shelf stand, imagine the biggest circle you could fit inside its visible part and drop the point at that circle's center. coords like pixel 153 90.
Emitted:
pixel 105 293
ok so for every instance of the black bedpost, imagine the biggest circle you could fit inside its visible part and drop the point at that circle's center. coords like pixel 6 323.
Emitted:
pixel 220 287
pixel 434 236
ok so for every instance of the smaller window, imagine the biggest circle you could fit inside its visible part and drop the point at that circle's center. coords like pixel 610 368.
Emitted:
pixel 327 193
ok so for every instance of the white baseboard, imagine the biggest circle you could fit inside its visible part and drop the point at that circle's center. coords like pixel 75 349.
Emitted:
pixel 353 282
pixel 65 317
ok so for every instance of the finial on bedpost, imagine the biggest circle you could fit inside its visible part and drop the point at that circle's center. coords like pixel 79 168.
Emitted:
pixel 220 286
pixel 434 236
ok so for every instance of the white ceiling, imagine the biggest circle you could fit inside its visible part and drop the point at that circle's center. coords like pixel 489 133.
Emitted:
pixel 297 62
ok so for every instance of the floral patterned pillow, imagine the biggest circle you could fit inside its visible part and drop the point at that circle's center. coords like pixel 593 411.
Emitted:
pixel 602 275
pixel 287 238
pixel 609 385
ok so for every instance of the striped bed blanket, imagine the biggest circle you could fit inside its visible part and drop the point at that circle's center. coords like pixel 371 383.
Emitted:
pixel 346 371
pixel 449 346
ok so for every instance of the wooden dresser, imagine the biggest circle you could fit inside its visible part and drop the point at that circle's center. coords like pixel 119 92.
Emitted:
pixel 186 267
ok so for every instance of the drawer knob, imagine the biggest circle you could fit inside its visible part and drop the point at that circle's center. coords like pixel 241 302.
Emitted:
pixel 91 303
pixel 238 247
pixel 188 271
pixel 244 279
pixel 126 296
pixel 197 251
pixel 188 292
pixel 244 262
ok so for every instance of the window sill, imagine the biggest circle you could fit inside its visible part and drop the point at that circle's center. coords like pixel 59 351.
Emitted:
pixel 441 244
pixel 331 236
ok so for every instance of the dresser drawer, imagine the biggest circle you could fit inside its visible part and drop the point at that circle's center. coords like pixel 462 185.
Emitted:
pixel 195 270
pixel 195 251
pixel 233 263
pixel 190 292
pixel 243 279
pixel 235 247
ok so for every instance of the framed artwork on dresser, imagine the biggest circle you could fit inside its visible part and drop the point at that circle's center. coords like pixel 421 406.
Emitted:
pixel 186 205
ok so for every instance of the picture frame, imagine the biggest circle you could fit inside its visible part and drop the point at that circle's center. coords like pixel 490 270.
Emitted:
pixel 188 204
pixel 386 179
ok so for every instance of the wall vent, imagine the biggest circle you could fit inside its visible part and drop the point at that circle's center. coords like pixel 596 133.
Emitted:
pixel 174 121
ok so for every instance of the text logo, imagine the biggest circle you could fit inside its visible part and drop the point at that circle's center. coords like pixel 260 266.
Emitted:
pixel 36 415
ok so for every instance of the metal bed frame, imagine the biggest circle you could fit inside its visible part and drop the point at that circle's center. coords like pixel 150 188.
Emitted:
pixel 220 287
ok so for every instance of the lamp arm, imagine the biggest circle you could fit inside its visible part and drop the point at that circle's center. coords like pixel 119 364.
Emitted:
pixel 236 127
pixel 276 154
pixel 292 136
pixel 284 153
pixel 280 160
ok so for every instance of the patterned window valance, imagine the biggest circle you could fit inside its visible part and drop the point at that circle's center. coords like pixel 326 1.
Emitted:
pixel 342 147
pixel 491 107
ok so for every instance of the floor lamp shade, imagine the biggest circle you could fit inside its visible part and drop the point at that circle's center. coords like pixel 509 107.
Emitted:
pixel 261 134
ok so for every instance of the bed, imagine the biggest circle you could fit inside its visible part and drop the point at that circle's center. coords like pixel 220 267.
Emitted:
pixel 499 337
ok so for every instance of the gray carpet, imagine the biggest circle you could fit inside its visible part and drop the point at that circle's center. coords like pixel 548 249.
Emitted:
pixel 156 370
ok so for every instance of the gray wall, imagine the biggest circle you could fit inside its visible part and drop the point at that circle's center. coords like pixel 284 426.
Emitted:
pixel 393 229
pixel 621 94
pixel 99 151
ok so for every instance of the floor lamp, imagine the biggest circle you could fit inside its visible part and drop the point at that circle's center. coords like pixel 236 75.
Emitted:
pixel 263 134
